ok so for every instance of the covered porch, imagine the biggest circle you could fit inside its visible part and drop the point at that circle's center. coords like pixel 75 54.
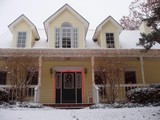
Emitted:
pixel 93 94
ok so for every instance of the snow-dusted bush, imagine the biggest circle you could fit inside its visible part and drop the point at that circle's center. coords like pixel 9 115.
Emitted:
pixel 116 105
pixel 3 95
pixel 145 95
pixel 155 86
pixel 21 105
pixel 29 105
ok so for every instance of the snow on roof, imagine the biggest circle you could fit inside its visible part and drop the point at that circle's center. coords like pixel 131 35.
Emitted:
pixel 89 41
pixel 6 39
pixel 127 40
pixel 42 43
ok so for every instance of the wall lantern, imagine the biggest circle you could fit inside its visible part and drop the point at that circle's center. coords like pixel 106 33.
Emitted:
pixel 85 70
pixel 51 71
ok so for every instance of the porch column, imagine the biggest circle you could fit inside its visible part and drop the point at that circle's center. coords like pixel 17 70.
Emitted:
pixel 37 89
pixel 95 90
pixel 142 69
pixel 39 71
pixel 92 64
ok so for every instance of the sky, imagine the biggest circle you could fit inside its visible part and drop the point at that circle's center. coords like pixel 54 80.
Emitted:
pixel 94 11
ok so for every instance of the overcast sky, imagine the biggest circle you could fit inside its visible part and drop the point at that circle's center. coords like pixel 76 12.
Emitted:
pixel 95 11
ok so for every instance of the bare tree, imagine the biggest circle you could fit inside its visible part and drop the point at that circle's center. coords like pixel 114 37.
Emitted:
pixel 111 73
pixel 20 71
pixel 138 10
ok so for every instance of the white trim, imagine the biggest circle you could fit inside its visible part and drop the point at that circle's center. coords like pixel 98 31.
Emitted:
pixel 59 69
pixel 92 66
pixel 31 39
pixel 40 70
pixel 72 11
pixel 99 28
pixel 24 18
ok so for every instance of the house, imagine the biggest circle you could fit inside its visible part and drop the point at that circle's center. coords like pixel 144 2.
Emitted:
pixel 67 52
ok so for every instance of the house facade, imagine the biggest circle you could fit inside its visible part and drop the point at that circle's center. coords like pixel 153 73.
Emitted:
pixel 68 52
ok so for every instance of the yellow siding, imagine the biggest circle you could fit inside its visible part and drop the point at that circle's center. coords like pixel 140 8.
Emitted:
pixel 22 27
pixel 152 71
pixel 33 40
pixel 99 40
pixel 130 65
pixel 66 16
pixel 109 28
pixel 135 65
pixel 48 83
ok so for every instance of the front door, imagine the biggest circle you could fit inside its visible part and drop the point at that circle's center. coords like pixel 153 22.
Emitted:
pixel 68 87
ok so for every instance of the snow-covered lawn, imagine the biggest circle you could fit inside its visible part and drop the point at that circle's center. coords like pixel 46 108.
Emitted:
pixel 141 113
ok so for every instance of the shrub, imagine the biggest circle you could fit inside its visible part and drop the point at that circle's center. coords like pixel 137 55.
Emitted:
pixel 146 95
pixel 3 95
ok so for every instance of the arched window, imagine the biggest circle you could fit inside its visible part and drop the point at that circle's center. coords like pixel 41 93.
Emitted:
pixel 66 36
pixel 66 24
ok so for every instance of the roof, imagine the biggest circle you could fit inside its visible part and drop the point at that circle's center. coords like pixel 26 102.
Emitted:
pixel 63 8
pixel 24 18
pixel 99 27
pixel 128 39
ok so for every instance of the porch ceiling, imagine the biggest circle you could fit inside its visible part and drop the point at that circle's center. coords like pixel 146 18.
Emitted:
pixel 78 53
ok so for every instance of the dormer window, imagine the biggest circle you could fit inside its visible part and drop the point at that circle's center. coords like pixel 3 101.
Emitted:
pixel 21 39
pixel 66 36
pixel 110 40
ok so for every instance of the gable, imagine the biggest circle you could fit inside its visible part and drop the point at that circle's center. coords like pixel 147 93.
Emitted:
pixel 109 26
pixel 66 16
pixel 23 22
pixel 110 21
pixel 22 26
pixel 65 10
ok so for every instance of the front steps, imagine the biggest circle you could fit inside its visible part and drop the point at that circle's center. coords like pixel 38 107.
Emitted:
pixel 68 105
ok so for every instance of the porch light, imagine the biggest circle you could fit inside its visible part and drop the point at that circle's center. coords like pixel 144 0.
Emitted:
pixel 85 70
pixel 51 71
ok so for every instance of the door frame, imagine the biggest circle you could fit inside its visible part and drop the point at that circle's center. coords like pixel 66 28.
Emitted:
pixel 72 70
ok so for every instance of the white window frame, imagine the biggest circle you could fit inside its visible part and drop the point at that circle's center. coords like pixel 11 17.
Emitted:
pixel 73 36
pixel 108 42
pixel 66 29
pixel 21 41
pixel 78 79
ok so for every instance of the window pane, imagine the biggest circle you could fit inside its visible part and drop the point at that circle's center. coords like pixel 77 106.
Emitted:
pixel 32 78
pixel 110 40
pixel 3 77
pixel 57 38
pixel 21 39
pixel 66 38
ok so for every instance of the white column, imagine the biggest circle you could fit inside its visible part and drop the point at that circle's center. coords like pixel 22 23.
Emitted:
pixel 92 64
pixel 39 71
pixel 37 89
pixel 142 69
pixel 95 90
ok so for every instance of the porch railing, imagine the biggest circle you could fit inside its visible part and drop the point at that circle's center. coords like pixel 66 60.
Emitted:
pixel 99 95
pixel 31 96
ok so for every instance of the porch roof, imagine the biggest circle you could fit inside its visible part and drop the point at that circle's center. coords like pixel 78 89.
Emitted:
pixel 50 53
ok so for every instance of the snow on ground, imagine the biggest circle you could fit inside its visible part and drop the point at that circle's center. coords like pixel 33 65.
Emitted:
pixel 141 113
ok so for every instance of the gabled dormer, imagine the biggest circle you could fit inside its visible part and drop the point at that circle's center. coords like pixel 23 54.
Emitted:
pixel 66 29
pixel 24 32
pixel 107 33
